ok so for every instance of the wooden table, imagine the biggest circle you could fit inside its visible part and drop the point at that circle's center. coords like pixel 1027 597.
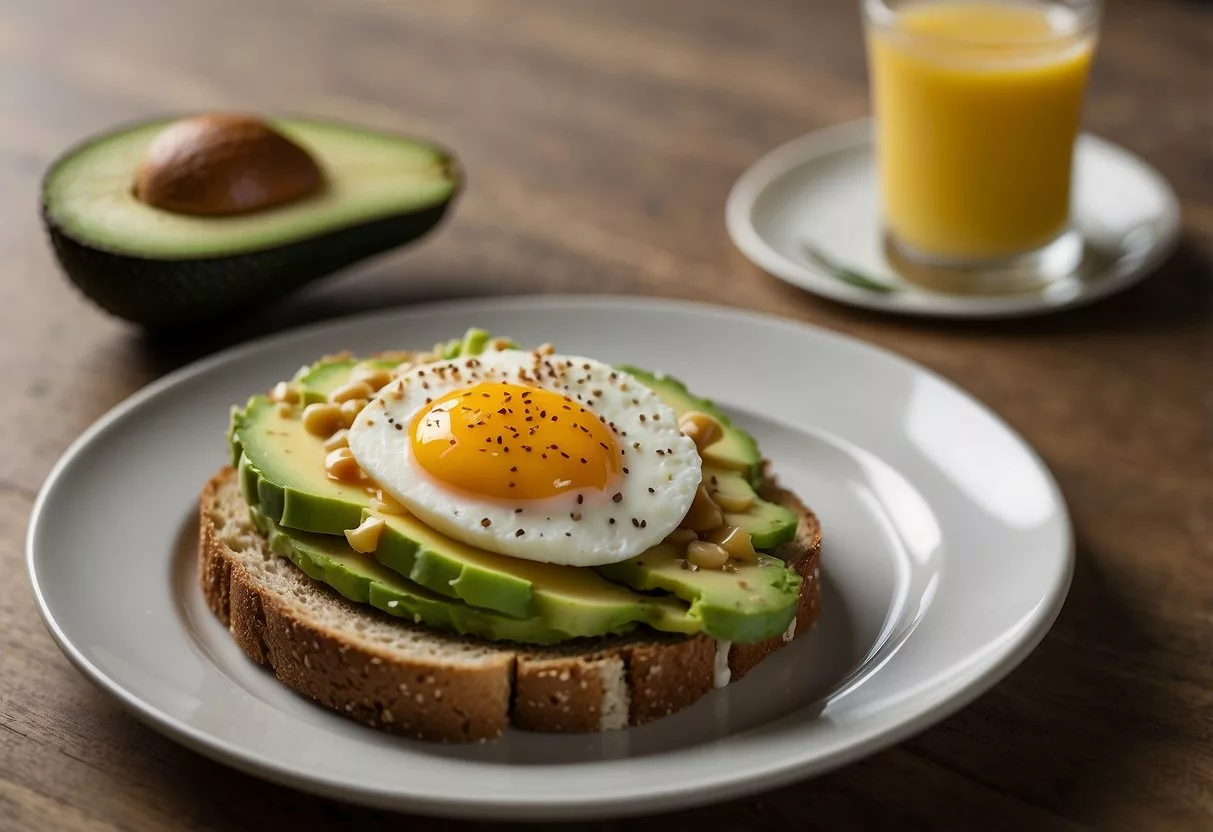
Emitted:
pixel 601 140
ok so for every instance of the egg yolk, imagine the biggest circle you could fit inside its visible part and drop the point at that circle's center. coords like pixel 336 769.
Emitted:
pixel 509 441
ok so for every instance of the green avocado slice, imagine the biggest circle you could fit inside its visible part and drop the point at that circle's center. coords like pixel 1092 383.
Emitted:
pixel 316 381
pixel 769 525
pixel 732 464
pixel 751 602
pixel 322 378
pixel 363 580
pixel 736 450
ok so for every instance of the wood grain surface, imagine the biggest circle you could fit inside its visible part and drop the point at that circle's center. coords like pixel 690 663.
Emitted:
pixel 601 139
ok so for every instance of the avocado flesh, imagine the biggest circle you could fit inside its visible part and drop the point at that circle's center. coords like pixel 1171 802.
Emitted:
pixel 369 175
pixel 732 465
pixel 282 473
pixel 769 525
pixel 754 602
pixel 736 450
pixel 316 381
pixel 361 579
pixel 162 269
pixel 323 377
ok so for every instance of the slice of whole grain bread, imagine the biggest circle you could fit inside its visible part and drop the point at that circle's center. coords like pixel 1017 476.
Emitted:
pixel 412 680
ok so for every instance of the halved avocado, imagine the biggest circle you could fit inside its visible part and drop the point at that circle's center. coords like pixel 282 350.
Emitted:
pixel 144 251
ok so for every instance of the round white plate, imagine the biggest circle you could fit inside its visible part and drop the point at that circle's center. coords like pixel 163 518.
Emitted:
pixel 809 213
pixel 947 556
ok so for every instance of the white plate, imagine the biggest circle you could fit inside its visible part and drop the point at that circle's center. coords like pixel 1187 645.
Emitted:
pixel 818 193
pixel 947 557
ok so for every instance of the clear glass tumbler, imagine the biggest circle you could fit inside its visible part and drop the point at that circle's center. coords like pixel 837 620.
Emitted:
pixel 977 105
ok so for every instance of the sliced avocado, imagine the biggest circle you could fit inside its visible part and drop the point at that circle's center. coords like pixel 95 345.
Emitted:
pixel 732 464
pixel 473 342
pixel 167 268
pixel 735 450
pixel 322 378
pixel 282 474
pixel 754 602
pixel 361 579
pixel 318 380
pixel 574 600
pixel 364 580
pixel 769 525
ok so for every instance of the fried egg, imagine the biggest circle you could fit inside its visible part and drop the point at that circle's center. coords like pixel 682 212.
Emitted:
pixel 551 458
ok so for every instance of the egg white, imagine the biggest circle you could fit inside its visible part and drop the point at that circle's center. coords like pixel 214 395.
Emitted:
pixel 663 466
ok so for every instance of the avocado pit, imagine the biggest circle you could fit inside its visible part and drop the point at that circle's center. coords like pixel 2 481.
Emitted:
pixel 224 165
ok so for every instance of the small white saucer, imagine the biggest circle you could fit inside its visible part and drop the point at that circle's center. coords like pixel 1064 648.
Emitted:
pixel 808 212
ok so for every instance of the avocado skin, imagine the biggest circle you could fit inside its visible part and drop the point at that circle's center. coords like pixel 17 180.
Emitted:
pixel 161 294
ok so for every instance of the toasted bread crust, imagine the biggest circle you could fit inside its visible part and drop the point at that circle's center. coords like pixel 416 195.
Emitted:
pixel 584 685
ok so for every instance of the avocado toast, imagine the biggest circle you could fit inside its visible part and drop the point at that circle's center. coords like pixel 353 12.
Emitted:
pixel 378 546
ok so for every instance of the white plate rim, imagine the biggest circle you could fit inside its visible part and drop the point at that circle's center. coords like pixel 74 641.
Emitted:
pixel 961 690
pixel 773 165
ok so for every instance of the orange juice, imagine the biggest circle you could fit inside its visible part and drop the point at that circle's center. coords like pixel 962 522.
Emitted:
pixel 977 105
